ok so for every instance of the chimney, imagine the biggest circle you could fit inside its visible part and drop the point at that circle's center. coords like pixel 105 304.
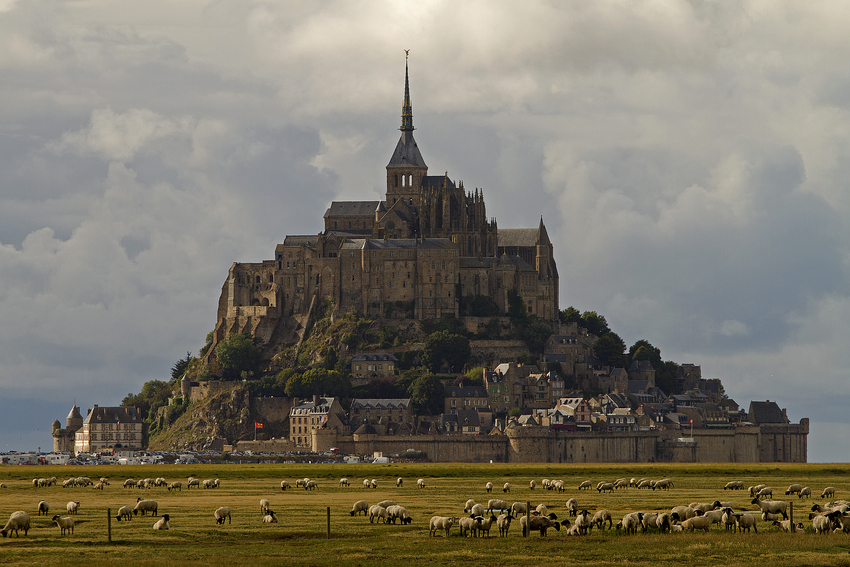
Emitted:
pixel 315 401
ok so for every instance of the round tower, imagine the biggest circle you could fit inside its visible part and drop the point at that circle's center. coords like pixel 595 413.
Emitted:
pixel 74 420
pixel 186 387
pixel 56 426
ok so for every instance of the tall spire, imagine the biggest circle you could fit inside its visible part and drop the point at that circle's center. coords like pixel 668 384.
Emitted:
pixel 406 107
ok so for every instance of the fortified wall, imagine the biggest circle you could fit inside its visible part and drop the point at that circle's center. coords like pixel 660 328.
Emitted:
pixel 765 443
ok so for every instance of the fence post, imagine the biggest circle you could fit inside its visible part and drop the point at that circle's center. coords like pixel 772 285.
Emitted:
pixel 329 522
pixel 527 531
pixel 791 515
pixel 109 525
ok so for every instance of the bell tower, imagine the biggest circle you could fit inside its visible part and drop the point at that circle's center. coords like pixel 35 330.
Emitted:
pixel 406 168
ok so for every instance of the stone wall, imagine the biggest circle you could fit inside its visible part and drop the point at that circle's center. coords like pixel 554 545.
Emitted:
pixel 272 409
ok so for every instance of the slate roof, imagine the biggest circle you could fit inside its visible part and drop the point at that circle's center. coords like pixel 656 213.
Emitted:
pixel 352 208
pixel 113 415
pixel 406 153
pixel 301 240
pixel 518 262
pixel 766 412
pixel 436 182
pixel 517 237
pixel 641 366
pixel 389 357
pixel 381 402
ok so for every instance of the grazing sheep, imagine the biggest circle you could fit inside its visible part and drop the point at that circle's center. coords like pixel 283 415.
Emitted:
pixel 129 483
pixel 789 526
pixel 772 506
pixel 284 485
pixel 483 527
pixel 366 483
pixel 630 522
pixel 159 482
pixel 828 491
pixel 605 487
pixel 399 482
pixel 768 517
pixel 386 503
pixel 145 506
pixel 488 487
pixel 734 485
pixel 468 506
pixel 396 512
pixel 43 507
pixel 821 524
pixel 192 482
pixel 477 510
pixel 222 513
pixel 663 484
pixel 583 522
pixel 311 485
pixel 602 516
pixel 765 493
pixel 378 512
pixel 538 523
pixel 374 483
pixel 65 524
pixel 72 507
pixel 344 482
pixel 468 525
pixel 506 487
pixel 270 518
pixel 518 509
pixel 162 523
pixel 644 483
pixel 98 486
pixel 557 485
pixel 839 520
pixel 697 523
pixel 542 509
pixel 301 482
pixel 504 524
pixel 494 504
pixel 440 523
pixel 420 483
pixel 572 506
pixel 680 513
pixel 17 521
pixel 125 512
pixel 649 521
pixel 621 483
pixel 359 506
pixel 531 484
pixel 664 522
pixel 807 492
pixel 176 485
pixel 746 521
pixel 794 489
pixel 264 506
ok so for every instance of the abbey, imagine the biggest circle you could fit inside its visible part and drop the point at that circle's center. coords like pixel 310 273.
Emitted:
pixel 427 242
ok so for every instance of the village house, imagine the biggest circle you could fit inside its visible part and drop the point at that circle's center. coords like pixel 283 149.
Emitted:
pixel 461 397
pixel 368 367
pixel 319 413
pixel 110 428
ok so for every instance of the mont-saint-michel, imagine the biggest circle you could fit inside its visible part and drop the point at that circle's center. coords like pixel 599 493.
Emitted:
pixel 416 323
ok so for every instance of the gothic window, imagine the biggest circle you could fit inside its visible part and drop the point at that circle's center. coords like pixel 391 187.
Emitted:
pixel 403 179
pixel 396 181
pixel 410 181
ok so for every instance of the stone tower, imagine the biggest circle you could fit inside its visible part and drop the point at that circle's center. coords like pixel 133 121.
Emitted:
pixel 406 169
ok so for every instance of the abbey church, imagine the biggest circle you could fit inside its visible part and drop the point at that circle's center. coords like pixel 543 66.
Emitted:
pixel 427 242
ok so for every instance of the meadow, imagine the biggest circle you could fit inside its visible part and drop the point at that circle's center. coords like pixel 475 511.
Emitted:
pixel 301 536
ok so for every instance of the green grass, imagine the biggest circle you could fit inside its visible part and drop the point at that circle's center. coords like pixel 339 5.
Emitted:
pixel 301 536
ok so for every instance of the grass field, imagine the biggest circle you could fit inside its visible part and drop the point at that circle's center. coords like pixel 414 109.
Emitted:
pixel 301 537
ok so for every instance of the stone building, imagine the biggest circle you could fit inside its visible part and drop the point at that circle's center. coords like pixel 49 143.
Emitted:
pixel 372 366
pixel 408 255
pixel 110 428
pixel 319 413
pixel 63 438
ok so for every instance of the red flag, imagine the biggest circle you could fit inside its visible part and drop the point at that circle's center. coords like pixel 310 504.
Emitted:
pixel 258 425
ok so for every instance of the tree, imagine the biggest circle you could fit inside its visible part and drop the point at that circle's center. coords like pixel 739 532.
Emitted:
pixel 643 350
pixel 536 334
pixel 474 376
pixel 238 353
pixel 665 377
pixel 610 350
pixel 443 346
pixel 516 306
pixel 180 367
pixel 427 395
pixel 319 382
pixel 595 323
pixel 569 315
pixel 153 395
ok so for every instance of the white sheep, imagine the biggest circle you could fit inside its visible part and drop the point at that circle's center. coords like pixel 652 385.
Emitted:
pixel 468 525
pixel 145 506
pixel 504 523
pixel 572 506
pixel 583 522
pixel 72 507
pixel 270 518
pixel 746 521
pixel 730 519
pixel 264 505
pixel 311 485
pixel 537 523
pixel 519 509
pixel 557 485
pixel 649 521
pixel 734 485
pixel 586 484
pixel 483 527
pixel 772 506
pixel 420 483
pixel 605 487
pixel 17 521
pixel 159 482
pixel 681 513
pixel 344 482
pixel 162 523
pixel 386 503
pixel 209 483
pixel 630 522
pixel 129 483
pixel 697 523
pixel 477 510
pixel 766 492
pixel 602 516
pixel 284 485
pixel 789 526
pixel 807 492
pixel 542 509
pixel 753 490
pixel 821 524
pixel 98 486
pixel 794 489
pixel 65 524
pixel 377 512
pixel 396 512
pixel 222 513
pixel 440 523
pixel 301 482
pixel 43 508
pixel 531 484
pixel 494 504
pixel 125 512
pixel 828 491
pixel 663 522
pixel 193 482
pixel 176 485
pixel 359 506
pixel 399 482
pixel 488 487
pixel 468 506
pixel 366 483
pixel 374 483
pixel 506 487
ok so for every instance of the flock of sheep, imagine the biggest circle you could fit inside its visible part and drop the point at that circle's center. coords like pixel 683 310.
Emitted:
pixel 478 519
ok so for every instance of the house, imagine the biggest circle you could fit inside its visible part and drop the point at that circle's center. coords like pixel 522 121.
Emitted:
pixel 620 419
pixel 464 422
pixel 368 367
pixel 320 413
pixel 383 410
pixel 642 370
pixel 465 398
pixel 766 412
pixel 109 428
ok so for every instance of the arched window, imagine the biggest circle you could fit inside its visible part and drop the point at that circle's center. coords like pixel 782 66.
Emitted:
pixel 396 181
pixel 410 181
pixel 403 179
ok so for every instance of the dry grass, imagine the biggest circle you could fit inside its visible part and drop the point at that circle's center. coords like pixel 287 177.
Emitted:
pixel 301 536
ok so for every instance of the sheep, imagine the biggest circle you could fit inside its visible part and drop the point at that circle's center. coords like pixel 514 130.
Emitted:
pixel 531 484
pixel 440 523
pixel 420 483
pixel 494 504
pixel 794 489
pixel 828 491
pixel 477 510
pixel 469 504
pixel 645 483
pixel 208 483
pixel 572 506
pixel 538 523
pixel 806 491
pixel 504 524
pixel 697 523
pixel 730 519
pixel 302 481
pixel 605 487
pixel 716 516
pixel 374 483
pixel 377 511
pixel 546 483
pixel 125 512
pixel 676 529
pixel 311 485
pixel 222 513
pixel 734 485
pixel 159 482
pixel 396 512
pixel 467 525
pixel 518 509
pixel 839 520
pixel 176 485
pixel 399 482
pixel 621 483
pixel 17 521
pixel 753 490
pixel 630 522
pixel 344 482
pixel 284 485
pixel 704 507
pixel 192 482
pixel 72 482
pixel 542 510
pixel 129 483
pixel 649 521
pixel 664 483
pixel 72 507
pixel 65 524
pixel 506 487
pixel 772 506
pixel 264 506
pixel 386 503
pixel 488 487
pixel 747 521
pixel 98 486
pixel 680 513
pixel 270 518
pixel 43 507
pixel 821 524
pixel 485 524
pixel 162 523
pixel 788 526
pixel 583 522
pixel 602 516
pixel 768 517
pixel 765 492
pixel 359 506
pixel 663 522
pixel 145 506
pixel 557 485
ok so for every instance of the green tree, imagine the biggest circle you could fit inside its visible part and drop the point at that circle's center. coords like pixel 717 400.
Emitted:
pixel 427 395
pixel 475 376
pixel 569 315
pixel 318 381
pixel 180 367
pixel 643 350
pixel 238 353
pixel 595 323
pixel 536 334
pixel 443 346
pixel 516 306
pixel 665 377
pixel 154 394
pixel 610 349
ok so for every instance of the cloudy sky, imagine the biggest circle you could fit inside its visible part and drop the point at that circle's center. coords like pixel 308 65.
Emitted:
pixel 690 161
